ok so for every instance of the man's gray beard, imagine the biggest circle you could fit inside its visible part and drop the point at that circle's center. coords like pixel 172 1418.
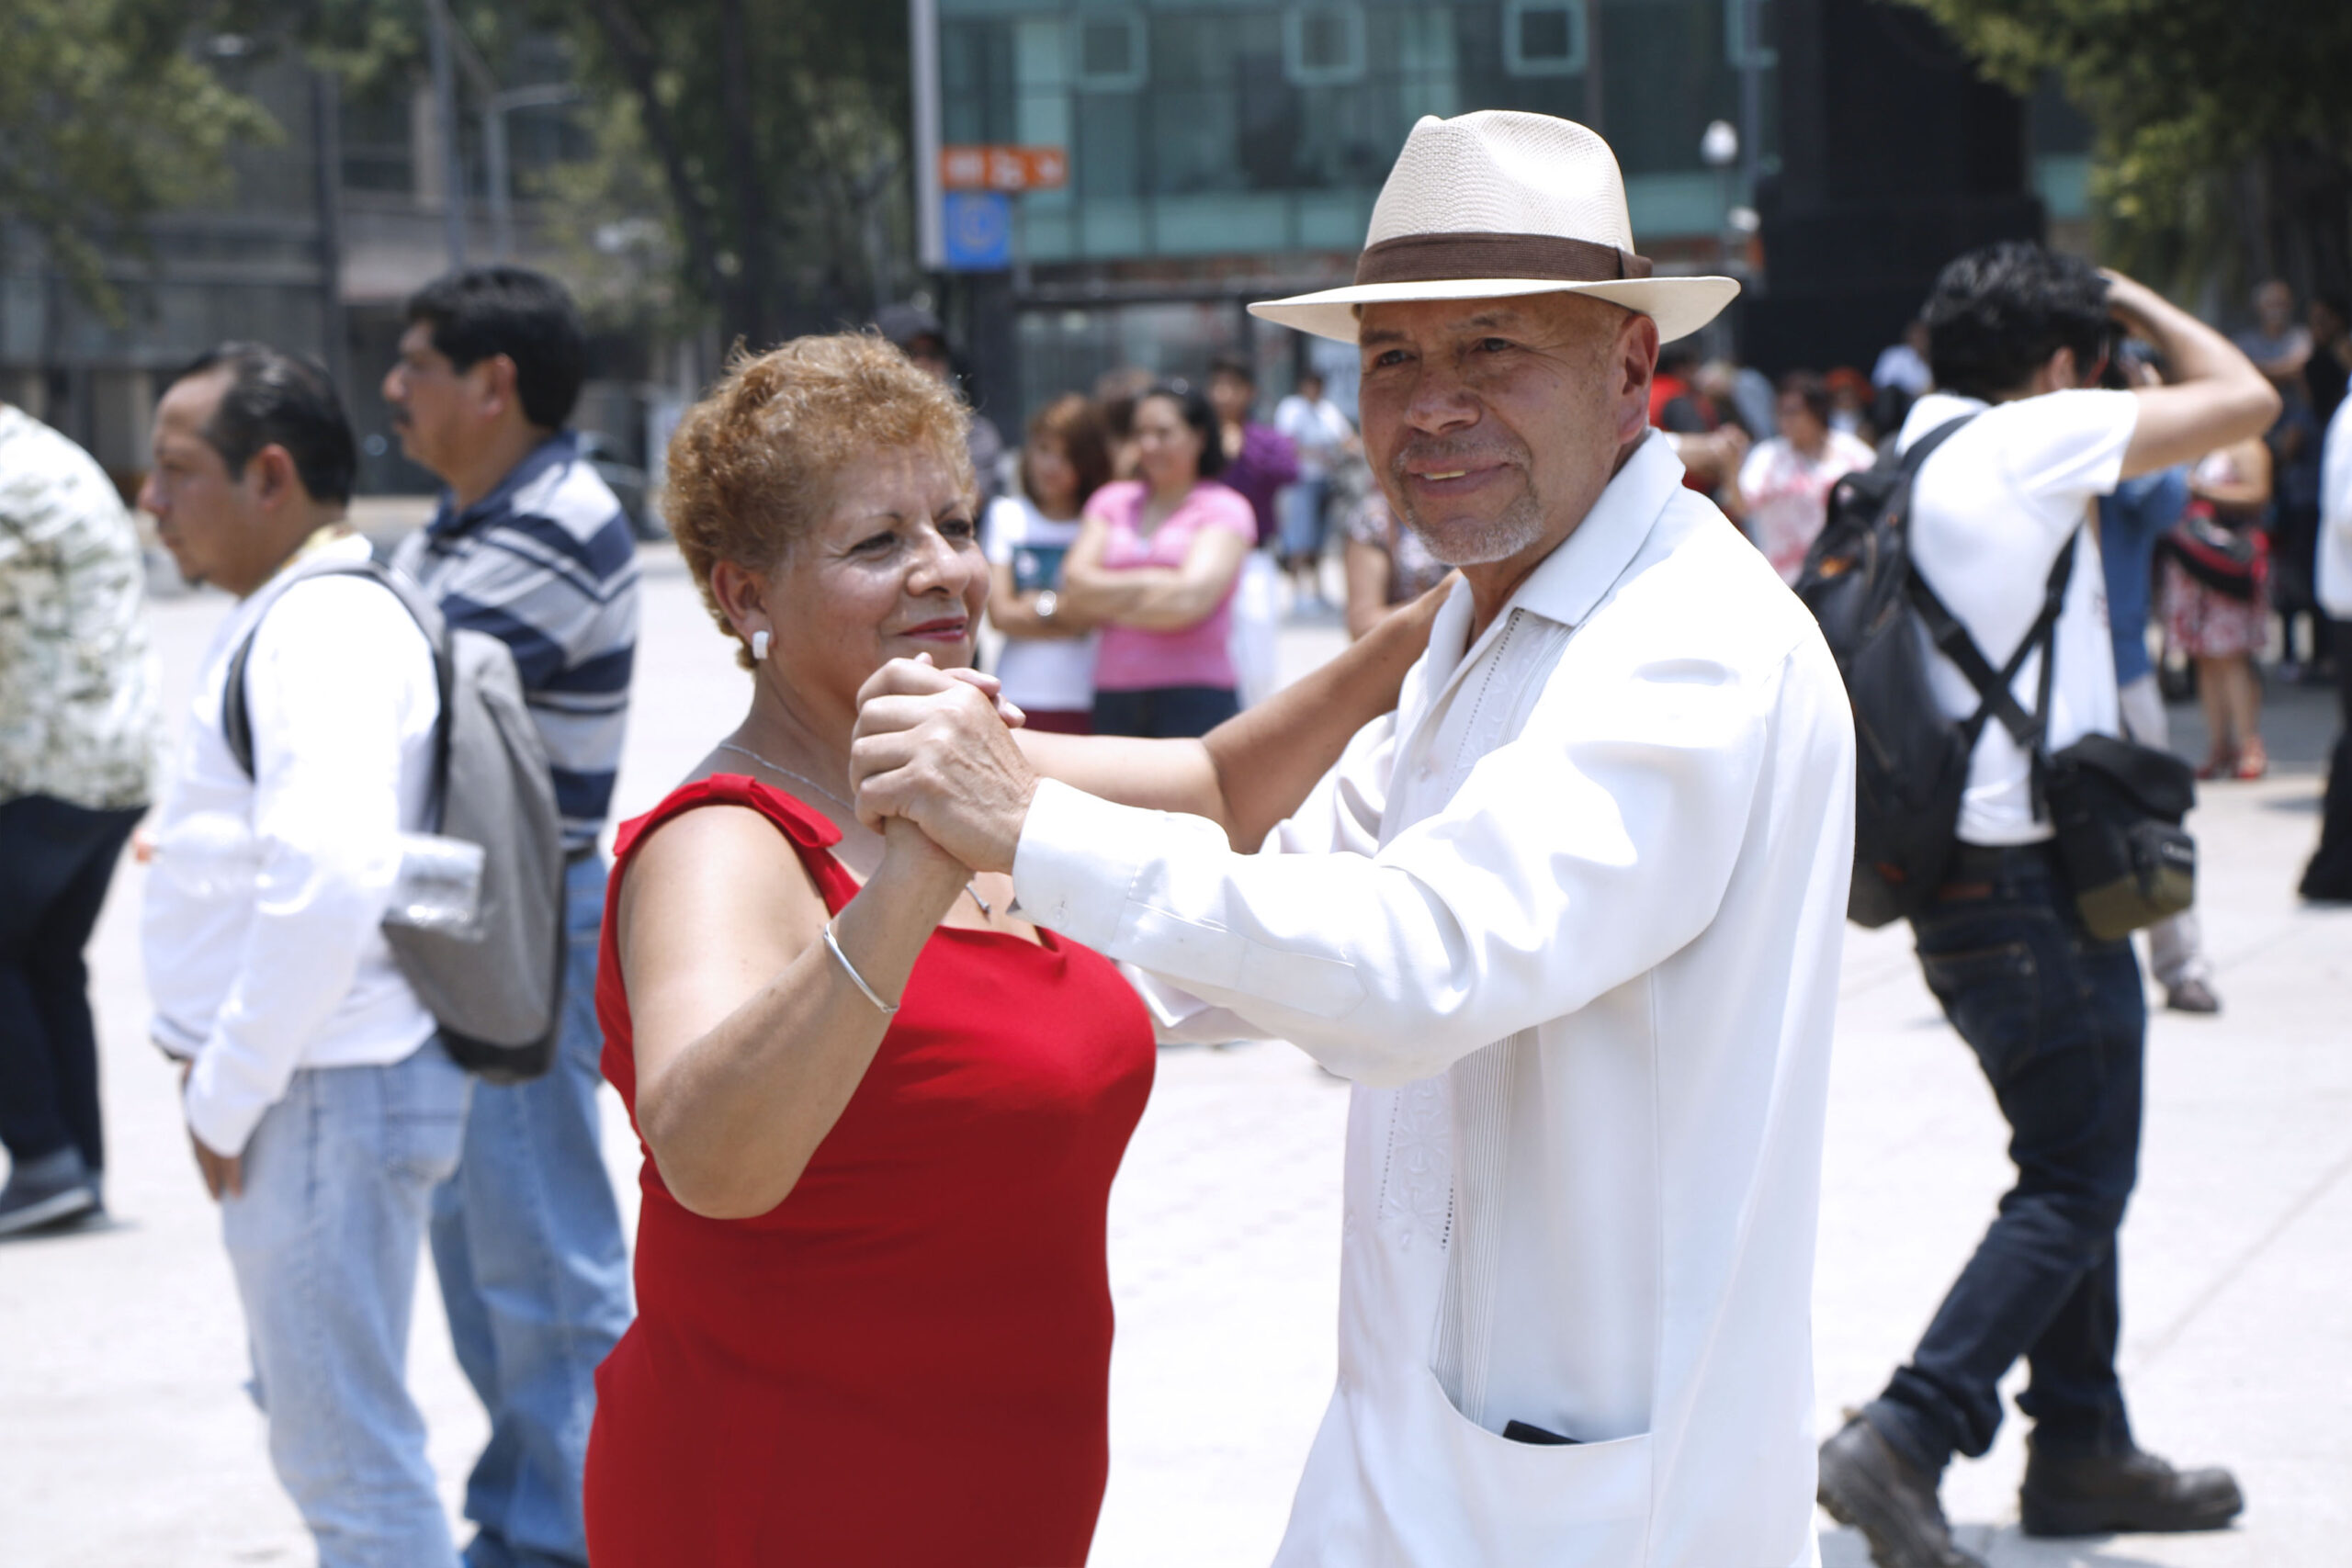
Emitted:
pixel 1468 543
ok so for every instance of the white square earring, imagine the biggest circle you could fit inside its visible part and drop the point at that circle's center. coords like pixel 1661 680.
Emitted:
pixel 758 648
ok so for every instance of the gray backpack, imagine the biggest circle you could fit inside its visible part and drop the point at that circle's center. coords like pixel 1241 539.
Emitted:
pixel 497 990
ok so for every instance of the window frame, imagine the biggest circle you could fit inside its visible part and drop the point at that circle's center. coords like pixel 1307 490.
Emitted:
pixel 1516 64
pixel 1298 71
pixel 1138 72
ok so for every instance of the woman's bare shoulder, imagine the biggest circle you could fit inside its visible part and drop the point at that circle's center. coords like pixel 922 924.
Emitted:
pixel 720 861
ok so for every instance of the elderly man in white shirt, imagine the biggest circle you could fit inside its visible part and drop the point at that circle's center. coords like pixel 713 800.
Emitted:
pixel 320 1102
pixel 1570 918
pixel 2329 876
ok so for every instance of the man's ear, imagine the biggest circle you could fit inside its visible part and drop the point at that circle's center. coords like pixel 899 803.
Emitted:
pixel 2061 373
pixel 497 384
pixel 273 479
pixel 1635 364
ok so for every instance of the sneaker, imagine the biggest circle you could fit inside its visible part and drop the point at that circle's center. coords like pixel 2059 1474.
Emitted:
pixel 2192 996
pixel 2106 1494
pixel 54 1189
pixel 1865 1485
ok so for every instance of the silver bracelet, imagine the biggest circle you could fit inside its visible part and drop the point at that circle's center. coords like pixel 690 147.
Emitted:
pixel 850 969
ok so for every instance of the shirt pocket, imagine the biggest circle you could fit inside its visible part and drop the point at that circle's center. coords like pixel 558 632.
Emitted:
pixel 1535 1502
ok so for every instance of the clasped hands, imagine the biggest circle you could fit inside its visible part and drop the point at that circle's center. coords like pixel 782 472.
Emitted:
pixel 935 747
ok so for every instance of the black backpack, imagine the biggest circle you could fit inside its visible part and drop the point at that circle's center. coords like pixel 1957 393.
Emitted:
pixel 1910 761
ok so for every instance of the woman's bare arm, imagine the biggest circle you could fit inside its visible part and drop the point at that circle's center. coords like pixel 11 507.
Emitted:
pixel 1095 592
pixel 2249 485
pixel 750 1036
pixel 1014 613
pixel 1153 598
pixel 1170 601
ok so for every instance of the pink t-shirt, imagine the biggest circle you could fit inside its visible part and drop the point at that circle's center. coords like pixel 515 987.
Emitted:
pixel 1133 660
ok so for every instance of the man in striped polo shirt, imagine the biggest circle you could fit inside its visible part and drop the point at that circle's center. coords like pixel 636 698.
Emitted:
pixel 530 546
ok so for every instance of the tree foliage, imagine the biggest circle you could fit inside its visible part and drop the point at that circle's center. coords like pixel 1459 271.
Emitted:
pixel 778 127
pixel 106 117
pixel 2221 123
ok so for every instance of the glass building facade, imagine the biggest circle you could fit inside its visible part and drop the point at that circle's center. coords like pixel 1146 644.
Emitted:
pixel 1222 128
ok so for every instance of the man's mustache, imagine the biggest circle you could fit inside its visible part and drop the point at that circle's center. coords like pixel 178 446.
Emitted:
pixel 1441 456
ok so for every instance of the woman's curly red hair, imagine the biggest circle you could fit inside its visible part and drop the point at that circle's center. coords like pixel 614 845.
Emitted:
pixel 752 465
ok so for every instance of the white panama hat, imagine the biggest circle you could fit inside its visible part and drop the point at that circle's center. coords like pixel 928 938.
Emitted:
pixel 1499 203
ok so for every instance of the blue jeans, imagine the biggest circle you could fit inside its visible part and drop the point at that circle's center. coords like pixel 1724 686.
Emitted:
pixel 323 1241
pixel 527 1241
pixel 2057 1020
pixel 1302 519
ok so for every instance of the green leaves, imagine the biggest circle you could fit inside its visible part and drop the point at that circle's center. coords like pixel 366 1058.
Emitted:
pixel 107 116
pixel 2183 93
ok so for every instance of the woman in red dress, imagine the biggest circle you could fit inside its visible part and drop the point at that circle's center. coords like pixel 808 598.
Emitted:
pixel 880 1112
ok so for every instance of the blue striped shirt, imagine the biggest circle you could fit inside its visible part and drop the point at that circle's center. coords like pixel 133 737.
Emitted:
pixel 546 563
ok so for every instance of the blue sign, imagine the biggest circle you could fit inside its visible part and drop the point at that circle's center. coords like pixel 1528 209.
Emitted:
pixel 979 231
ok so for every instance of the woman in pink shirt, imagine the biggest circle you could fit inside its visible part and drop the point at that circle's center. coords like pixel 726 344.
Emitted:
pixel 1155 565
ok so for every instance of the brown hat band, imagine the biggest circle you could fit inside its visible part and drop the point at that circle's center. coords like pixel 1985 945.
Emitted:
pixel 1445 258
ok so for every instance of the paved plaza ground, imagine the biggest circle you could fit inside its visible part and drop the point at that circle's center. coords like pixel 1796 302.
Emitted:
pixel 126 1439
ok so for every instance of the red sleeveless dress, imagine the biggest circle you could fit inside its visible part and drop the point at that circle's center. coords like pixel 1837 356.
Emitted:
pixel 908 1359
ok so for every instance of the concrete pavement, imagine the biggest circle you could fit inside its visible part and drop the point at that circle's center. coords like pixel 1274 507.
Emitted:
pixel 125 1437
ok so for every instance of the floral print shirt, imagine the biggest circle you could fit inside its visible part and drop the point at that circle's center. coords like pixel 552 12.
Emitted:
pixel 77 680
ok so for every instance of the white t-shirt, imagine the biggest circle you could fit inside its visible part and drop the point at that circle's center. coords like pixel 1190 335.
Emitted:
pixel 1048 674
pixel 1993 507
pixel 1319 428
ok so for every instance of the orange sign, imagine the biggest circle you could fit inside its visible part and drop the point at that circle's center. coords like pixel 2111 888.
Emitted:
pixel 1003 168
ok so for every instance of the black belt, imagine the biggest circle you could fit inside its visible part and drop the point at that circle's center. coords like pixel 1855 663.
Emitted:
pixel 1975 868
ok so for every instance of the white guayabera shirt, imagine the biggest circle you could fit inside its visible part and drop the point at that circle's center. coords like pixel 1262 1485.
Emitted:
pixel 1571 922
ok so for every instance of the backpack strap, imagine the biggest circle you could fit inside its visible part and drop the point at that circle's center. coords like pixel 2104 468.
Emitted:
pixel 1919 451
pixel 1994 688
pixel 236 706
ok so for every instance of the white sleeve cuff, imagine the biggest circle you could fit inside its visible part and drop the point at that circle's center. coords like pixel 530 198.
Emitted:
pixel 1077 860
pixel 222 1119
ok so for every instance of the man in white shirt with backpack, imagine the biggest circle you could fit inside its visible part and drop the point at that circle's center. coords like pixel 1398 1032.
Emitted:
pixel 2055 1015
pixel 321 1106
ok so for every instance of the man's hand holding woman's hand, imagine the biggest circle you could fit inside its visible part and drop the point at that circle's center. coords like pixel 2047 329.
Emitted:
pixel 935 747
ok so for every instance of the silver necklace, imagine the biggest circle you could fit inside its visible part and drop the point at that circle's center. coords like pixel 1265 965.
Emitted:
pixel 986 912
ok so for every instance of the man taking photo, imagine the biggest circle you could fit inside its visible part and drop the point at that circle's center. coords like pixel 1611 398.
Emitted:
pixel 2018 335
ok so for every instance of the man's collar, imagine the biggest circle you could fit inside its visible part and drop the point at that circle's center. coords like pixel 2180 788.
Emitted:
pixel 1569 584
pixel 560 447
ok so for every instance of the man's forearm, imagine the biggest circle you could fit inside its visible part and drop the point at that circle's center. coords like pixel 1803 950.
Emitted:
pixel 2194 351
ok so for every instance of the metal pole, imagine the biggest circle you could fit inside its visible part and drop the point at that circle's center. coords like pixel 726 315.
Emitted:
pixel 922 33
pixel 502 200
pixel 445 113
pixel 498 166
pixel 326 107
pixel 1751 97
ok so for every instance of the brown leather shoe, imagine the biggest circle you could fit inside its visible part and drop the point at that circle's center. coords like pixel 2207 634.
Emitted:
pixel 2102 1494
pixel 1868 1486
